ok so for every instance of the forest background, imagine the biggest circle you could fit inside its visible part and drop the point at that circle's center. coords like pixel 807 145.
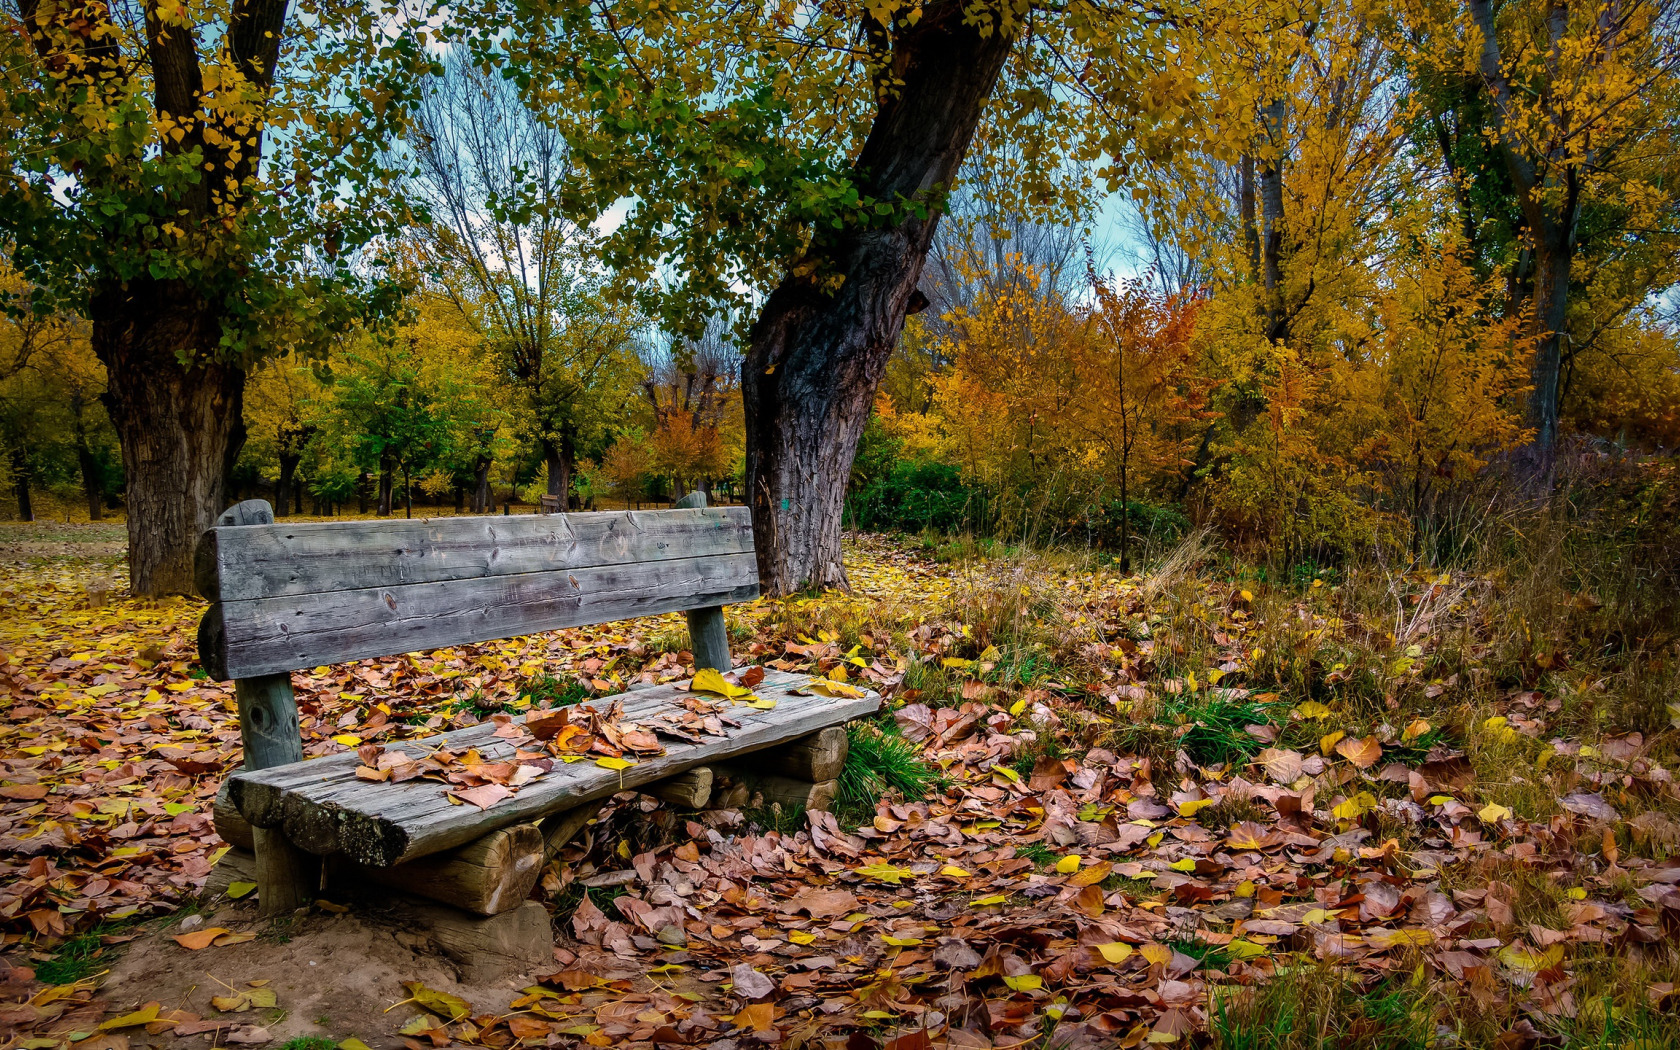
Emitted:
pixel 1371 286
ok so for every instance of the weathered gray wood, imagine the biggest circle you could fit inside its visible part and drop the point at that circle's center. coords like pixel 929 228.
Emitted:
pixel 560 828
pixel 790 793
pixel 518 942
pixel 819 756
pixel 268 721
pixel 316 557
pixel 287 877
pixel 230 824
pixel 389 823
pixel 487 876
pixel 693 501
pixel 247 512
pixel 236 865
pixel 708 638
pixel 267 635
pixel 690 790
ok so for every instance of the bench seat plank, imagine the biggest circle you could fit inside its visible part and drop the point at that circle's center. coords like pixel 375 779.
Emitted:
pixel 240 563
pixel 324 808
pixel 261 636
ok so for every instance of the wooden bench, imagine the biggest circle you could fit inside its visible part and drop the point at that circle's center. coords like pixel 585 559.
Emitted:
pixel 293 596
pixel 548 504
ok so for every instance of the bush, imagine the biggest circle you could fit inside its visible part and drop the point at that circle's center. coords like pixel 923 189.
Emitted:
pixel 915 496
pixel 1151 523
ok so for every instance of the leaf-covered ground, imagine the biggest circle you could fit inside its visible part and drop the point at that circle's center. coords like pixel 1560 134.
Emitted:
pixel 1189 807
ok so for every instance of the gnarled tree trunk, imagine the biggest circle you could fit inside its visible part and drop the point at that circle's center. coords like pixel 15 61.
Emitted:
pixel 815 356
pixel 181 425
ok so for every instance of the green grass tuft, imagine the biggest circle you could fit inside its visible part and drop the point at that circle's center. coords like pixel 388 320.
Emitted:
pixel 549 691
pixel 879 760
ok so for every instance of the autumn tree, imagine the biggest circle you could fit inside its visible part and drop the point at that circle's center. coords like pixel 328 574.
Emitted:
pixel 803 154
pixel 520 271
pixel 1560 143
pixel 1140 395
pixel 132 136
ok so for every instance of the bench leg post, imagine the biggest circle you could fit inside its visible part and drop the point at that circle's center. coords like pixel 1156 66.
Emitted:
pixel 708 638
pixel 287 877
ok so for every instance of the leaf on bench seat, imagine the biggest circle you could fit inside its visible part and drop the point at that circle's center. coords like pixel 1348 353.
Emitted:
pixel 710 680
pixel 484 796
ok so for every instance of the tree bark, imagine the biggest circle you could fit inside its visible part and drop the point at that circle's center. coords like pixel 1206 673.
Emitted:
pixel 481 488
pixel 283 488
pixel 816 354
pixel 20 482
pixel 181 424
pixel 561 457
pixel 1271 220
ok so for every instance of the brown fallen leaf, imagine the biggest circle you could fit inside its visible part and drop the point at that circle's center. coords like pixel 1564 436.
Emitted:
pixel 1362 753
pixel 484 796
pixel 198 939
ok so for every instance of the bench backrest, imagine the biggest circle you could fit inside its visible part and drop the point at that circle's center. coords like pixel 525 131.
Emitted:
pixel 291 596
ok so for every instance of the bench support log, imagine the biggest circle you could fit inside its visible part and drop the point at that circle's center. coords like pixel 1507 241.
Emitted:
pixel 690 790
pixel 816 758
pixel 486 877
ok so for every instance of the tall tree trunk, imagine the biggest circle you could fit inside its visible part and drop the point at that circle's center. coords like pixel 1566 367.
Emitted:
pixel 181 425
pixel 815 356
pixel 20 482
pixel 1554 252
pixel 283 488
pixel 408 494
pixel 1246 205
pixel 385 487
pixel 93 481
pixel 481 488
pixel 93 486
pixel 1271 220
pixel 561 457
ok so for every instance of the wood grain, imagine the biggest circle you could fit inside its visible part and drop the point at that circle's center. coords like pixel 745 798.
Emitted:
pixel 324 808
pixel 270 635
pixel 272 561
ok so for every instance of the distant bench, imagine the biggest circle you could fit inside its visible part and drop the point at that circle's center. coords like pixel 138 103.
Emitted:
pixel 293 596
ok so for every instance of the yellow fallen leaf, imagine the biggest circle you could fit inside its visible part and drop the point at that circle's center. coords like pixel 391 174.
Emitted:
pixel 347 739
pixel 901 942
pixel 236 890
pixel 711 680
pixel 1027 982
pixel 825 687
pixel 608 762
pixel 1018 706
pixel 1415 729
pixel 1241 949
pixel 1068 864
pixel 1193 806
pixel 449 1007
pixel 353 1043
pixel 1092 875
pixel 988 901
pixel 953 871
pixel 762 703
pixel 1312 709
pixel 1157 954
pixel 884 872
pixel 1007 772
pixel 1327 743
pixel 1185 864
pixel 1576 893
pixel 145 1015
pixel 1115 951
pixel 1493 812
pixel 1244 888
pixel 801 937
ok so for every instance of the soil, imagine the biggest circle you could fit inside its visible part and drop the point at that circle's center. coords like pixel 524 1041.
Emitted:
pixel 334 976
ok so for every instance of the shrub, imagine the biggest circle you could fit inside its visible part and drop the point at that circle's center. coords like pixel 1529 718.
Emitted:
pixel 915 496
